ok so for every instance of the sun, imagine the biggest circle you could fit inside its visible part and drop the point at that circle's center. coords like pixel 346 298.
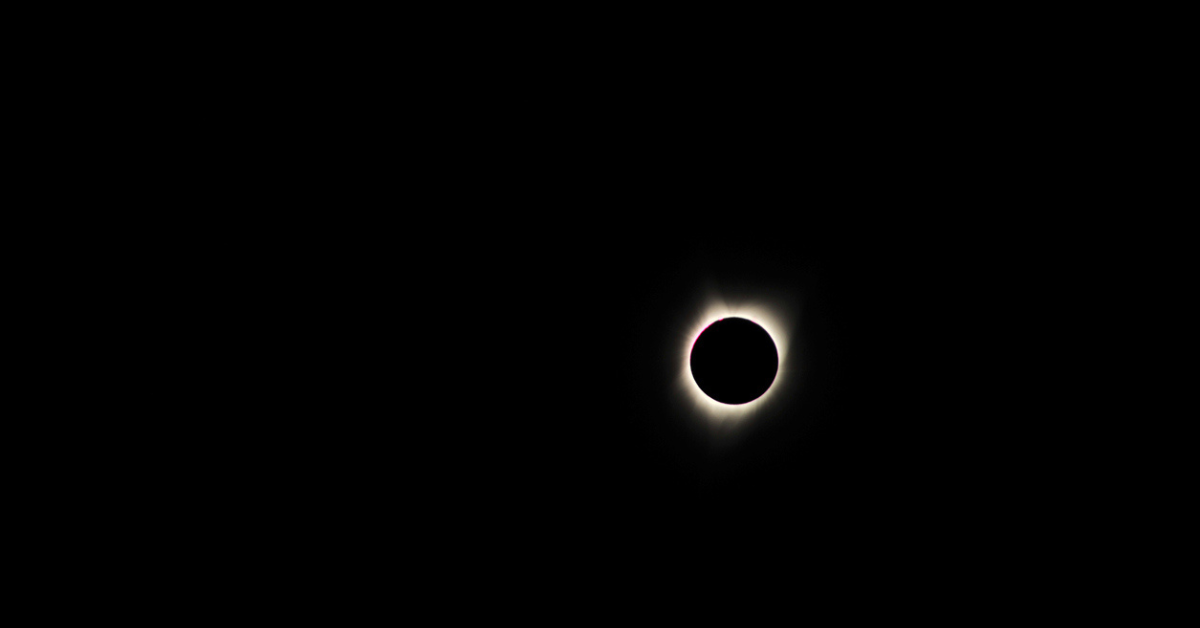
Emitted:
pixel 777 318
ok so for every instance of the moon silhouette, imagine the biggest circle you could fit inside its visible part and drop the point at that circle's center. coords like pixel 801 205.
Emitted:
pixel 734 361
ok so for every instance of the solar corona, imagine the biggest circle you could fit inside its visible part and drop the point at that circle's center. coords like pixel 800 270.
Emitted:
pixel 735 360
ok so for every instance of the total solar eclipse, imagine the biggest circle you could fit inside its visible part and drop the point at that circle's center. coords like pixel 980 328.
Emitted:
pixel 734 361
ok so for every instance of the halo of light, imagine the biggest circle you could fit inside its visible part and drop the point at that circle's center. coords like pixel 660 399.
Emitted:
pixel 776 324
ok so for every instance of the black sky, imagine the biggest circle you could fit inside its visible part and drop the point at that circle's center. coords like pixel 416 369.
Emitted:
pixel 494 287
pixel 525 379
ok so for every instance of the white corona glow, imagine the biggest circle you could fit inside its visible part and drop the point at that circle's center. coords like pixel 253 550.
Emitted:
pixel 776 324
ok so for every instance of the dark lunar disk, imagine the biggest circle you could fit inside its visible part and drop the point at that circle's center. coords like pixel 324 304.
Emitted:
pixel 734 361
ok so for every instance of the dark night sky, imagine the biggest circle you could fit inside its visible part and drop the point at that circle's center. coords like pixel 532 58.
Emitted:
pixel 440 273
pixel 496 312
pixel 523 381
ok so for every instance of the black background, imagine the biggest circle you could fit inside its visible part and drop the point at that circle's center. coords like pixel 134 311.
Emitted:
pixel 515 386
pixel 433 284
pixel 485 280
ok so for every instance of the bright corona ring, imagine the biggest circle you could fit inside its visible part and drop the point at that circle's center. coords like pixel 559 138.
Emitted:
pixel 735 360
